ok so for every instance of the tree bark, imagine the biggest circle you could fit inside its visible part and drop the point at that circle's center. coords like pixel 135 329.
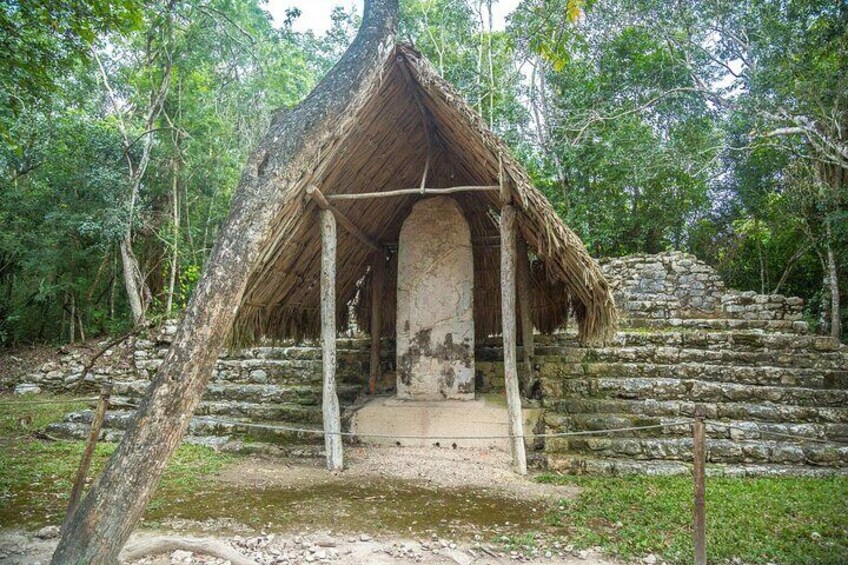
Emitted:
pixel 329 398
pixel 833 281
pixel 116 501
pixel 175 244
pixel 513 397
pixel 132 273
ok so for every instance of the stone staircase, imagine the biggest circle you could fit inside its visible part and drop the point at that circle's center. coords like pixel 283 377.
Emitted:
pixel 265 386
pixel 757 382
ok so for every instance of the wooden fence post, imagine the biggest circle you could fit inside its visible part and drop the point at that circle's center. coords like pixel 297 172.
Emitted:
pixel 93 436
pixel 699 456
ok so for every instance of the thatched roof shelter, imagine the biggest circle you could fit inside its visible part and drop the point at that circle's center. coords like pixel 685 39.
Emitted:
pixel 415 124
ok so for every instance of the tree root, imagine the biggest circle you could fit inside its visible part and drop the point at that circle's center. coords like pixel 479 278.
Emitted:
pixel 166 544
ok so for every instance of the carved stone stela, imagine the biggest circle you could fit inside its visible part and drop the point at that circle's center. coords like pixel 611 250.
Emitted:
pixel 435 314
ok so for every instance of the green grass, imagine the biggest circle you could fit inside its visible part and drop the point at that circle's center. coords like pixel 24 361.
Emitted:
pixel 780 520
pixel 36 476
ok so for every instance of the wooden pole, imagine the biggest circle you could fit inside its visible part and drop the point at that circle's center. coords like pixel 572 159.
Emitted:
pixel 93 436
pixel 524 306
pixel 699 455
pixel 376 319
pixel 346 223
pixel 330 400
pixel 513 397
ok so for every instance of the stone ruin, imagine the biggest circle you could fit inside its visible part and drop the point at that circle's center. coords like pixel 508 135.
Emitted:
pixel 664 289
pixel 746 359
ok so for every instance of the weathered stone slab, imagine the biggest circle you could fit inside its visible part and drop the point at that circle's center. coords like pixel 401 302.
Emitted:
pixel 435 322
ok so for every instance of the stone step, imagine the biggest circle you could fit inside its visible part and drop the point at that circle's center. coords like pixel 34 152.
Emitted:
pixel 741 429
pixel 285 372
pixel 581 465
pixel 656 388
pixel 753 412
pixel 261 412
pixel 736 340
pixel 668 355
pixel 759 376
pixel 76 426
pixel 776 326
pixel 756 375
pixel 718 450
pixel 307 395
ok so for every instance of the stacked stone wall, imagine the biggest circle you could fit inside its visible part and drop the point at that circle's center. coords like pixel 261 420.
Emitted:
pixel 674 286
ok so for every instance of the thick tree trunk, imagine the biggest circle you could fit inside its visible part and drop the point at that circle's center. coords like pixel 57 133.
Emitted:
pixel 116 501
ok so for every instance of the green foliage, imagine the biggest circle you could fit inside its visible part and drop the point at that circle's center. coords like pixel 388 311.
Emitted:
pixel 649 124
pixel 765 520
pixel 36 476
pixel 41 40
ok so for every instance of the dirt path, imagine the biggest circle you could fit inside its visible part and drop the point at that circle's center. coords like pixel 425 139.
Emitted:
pixel 442 468
pixel 391 505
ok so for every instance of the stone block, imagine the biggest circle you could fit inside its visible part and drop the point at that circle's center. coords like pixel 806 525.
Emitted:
pixel 435 321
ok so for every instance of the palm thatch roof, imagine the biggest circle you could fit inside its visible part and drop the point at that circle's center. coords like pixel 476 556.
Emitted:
pixel 414 119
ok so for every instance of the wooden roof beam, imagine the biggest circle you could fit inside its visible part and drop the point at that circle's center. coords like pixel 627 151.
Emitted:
pixel 315 193
pixel 407 191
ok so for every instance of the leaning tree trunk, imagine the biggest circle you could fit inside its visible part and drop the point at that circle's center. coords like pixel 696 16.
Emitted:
pixel 100 527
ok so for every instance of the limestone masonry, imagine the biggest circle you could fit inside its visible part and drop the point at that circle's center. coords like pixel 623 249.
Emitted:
pixel 746 358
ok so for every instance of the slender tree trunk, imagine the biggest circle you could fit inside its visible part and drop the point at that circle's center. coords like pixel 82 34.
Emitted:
pixel 833 280
pixel 73 316
pixel 100 527
pixel 175 245
pixel 762 268
pixel 132 274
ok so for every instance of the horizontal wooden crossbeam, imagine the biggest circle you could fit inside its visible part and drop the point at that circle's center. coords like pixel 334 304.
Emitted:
pixel 412 191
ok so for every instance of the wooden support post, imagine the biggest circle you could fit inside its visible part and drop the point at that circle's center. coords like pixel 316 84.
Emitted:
pixel 330 400
pixel 699 456
pixel 93 436
pixel 525 303
pixel 377 277
pixel 513 397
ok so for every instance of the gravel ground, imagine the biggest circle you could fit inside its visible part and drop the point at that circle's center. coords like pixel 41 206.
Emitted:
pixel 487 470
pixel 318 547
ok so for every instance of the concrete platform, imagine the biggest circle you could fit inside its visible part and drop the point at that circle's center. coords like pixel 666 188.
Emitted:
pixel 466 423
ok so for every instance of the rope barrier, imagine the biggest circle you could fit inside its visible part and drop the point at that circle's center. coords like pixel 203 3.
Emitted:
pixel 440 437
pixel 710 423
